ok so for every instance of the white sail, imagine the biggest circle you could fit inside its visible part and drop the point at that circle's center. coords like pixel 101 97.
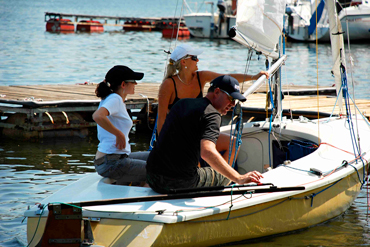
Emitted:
pixel 259 24
pixel 337 46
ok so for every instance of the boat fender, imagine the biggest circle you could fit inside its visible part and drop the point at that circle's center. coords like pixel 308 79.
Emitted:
pixel 316 171
pixel 232 32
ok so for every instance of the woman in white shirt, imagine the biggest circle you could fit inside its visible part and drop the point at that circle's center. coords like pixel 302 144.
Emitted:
pixel 114 158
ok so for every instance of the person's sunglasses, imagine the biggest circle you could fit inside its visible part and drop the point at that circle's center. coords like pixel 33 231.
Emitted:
pixel 194 58
pixel 131 81
pixel 232 100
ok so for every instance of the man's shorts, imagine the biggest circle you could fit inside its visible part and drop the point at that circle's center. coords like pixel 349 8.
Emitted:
pixel 206 177
pixel 209 177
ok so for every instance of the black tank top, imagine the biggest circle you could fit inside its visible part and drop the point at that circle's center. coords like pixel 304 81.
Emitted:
pixel 200 95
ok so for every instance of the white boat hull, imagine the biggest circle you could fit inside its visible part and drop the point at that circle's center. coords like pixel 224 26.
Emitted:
pixel 358 20
pixel 199 25
pixel 177 222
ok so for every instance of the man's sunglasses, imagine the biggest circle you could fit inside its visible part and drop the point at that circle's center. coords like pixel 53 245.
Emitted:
pixel 232 100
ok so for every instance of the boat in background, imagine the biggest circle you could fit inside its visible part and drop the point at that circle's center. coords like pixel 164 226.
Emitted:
pixel 300 21
pixel 313 170
pixel 355 21
pixel 214 24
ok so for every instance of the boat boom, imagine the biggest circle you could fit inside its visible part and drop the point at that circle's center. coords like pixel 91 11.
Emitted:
pixel 262 78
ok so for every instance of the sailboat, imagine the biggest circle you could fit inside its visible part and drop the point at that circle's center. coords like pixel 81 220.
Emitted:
pixel 313 170
pixel 301 15
pixel 303 21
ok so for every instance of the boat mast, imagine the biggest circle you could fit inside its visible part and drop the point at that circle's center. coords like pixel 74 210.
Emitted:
pixel 337 48
pixel 275 79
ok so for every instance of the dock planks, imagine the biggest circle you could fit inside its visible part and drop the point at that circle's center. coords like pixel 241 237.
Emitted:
pixel 65 92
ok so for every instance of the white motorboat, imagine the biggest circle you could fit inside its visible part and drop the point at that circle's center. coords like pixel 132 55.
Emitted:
pixel 355 21
pixel 209 24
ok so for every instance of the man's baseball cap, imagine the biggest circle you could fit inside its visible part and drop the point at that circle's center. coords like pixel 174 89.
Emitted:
pixel 230 85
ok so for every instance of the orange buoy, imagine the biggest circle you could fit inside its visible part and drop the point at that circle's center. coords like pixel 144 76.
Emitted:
pixel 90 26
pixel 59 25
pixel 138 26
pixel 171 32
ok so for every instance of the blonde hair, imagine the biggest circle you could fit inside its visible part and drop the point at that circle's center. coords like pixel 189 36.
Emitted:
pixel 173 68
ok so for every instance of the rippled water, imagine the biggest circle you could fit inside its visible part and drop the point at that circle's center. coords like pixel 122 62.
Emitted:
pixel 30 55
pixel 30 172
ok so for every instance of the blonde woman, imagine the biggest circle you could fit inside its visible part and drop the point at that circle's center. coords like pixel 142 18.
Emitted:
pixel 183 80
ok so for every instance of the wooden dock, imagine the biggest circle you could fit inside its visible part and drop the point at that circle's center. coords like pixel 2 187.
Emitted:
pixel 128 23
pixel 39 108
pixel 57 92
pixel 57 15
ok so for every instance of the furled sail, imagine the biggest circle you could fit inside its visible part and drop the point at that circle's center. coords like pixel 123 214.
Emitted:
pixel 259 24
pixel 337 46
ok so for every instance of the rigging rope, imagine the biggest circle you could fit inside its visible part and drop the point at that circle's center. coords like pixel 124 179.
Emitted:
pixel 346 97
pixel 352 80
pixel 317 79
pixel 238 113
pixel 154 133
pixel 38 223
pixel 237 119
pixel 272 110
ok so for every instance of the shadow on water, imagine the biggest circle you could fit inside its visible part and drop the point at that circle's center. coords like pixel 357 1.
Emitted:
pixel 64 154
pixel 68 154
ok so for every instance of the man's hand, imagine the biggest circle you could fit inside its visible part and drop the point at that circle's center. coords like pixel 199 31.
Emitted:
pixel 249 177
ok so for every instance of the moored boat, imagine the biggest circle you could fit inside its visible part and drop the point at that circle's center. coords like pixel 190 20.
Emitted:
pixel 303 21
pixel 301 15
pixel 313 170
pixel 211 24
pixel 355 21
pixel 331 185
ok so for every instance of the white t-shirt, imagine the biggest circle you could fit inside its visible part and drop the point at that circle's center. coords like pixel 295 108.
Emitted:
pixel 120 119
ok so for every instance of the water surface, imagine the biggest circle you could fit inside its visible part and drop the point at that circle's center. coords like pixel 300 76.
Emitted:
pixel 29 172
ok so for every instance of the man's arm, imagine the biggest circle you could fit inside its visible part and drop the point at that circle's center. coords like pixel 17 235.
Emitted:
pixel 209 153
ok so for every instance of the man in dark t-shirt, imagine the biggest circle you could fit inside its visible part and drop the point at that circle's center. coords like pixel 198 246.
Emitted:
pixel 190 131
